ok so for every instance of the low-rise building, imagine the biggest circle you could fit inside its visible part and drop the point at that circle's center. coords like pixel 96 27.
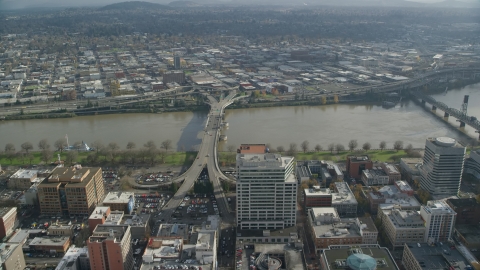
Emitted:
pixel 60 230
pixel 160 248
pixel 285 235
pixel 272 255
pixel 467 209
pixel 23 179
pixel 357 257
pixel 468 235
pixel 98 216
pixel 367 229
pixel 344 200
pixel 357 164
pixel 11 257
pixel 317 197
pixel 375 177
pixel 206 247
pixel 8 219
pixel 392 173
pixel 50 244
pixel 409 168
pixel 389 196
pixel 424 256
pixel 328 229
pixel 76 258
pixel 402 226
pixel 120 201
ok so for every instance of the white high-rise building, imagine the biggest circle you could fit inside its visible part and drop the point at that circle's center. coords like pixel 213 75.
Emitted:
pixel 439 221
pixel 266 191
pixel 442 167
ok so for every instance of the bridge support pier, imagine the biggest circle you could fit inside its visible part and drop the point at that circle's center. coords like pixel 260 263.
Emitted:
pixel 462 124
pixel 434 108
pixel 446 115
pixel 423 102
pixel 478 131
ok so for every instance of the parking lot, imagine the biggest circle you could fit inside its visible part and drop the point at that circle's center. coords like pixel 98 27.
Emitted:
pixel 195 208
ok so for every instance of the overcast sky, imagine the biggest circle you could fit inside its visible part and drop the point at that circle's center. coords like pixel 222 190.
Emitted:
pixel 68 3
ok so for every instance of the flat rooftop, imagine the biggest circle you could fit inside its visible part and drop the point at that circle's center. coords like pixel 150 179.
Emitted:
pixel 6 210
pixel 99 212
pixel 361 158
pixel 252 149
pixel 340 253
pixel 167 230
pixel 343 195
pixel 438 257
pixel 316 191
pixel 293 258
pixel 118 197
pixel 72 176
pixel 103 231
pixel 163 248
pixel 24 174
pixel 114 218
pixel 273 233
pixel 49 241
pixel 471 233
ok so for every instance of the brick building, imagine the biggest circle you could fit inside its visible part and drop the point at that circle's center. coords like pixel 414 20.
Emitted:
pixel 8 217
pixel 110 248
pixel 356 165
pixel 467 209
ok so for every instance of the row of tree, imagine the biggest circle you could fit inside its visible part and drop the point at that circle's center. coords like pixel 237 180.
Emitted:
pixel 111 151
pixel 352 146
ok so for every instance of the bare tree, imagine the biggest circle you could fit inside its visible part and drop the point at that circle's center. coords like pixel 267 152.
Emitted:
pixel 382 145
pixel 331 148
pixel 352 145
pixel 78 146
pixel 339 147
pixel 150 145
pixel 60 144
pixel 9 147
pixel 292 149
pixel 409 148
pixel 10 155
pixel 167 145
pixel 366 146
pixel 47 155
pixel 231 148
pixel 398 145
pixel 304 146
pixel 131 145
pixel 71 157
pixel 113 147
pixel 280 149
pixel 97 145
pixel 43 144
pixel 318 148
pixel 26 146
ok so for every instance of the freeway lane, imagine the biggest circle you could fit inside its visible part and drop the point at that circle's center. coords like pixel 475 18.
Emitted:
pixel 205 157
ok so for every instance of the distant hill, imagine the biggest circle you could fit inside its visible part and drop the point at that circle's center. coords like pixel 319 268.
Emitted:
pixel 132 5
pixel 181 3
pixel 456 4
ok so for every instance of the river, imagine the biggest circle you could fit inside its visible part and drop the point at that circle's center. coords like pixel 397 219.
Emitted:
pixel 322 125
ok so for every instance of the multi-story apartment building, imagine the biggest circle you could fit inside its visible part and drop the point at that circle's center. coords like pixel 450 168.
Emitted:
pixel 110 247
pixel 375 177
pixel 177 76
pixel 71 191
pixel 22 179
pixel 8 217
pixel 402 226
pixel 442 167
pixel 266 191
pixel 439 221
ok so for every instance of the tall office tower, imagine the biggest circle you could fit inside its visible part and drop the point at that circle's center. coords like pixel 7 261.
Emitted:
pixel 439 220
pixel 176 62
pixel 442 167
pixel 71 191
pixel 266 191
pixel 109 247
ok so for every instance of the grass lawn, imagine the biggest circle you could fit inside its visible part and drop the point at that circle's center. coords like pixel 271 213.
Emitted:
pixel 173 158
